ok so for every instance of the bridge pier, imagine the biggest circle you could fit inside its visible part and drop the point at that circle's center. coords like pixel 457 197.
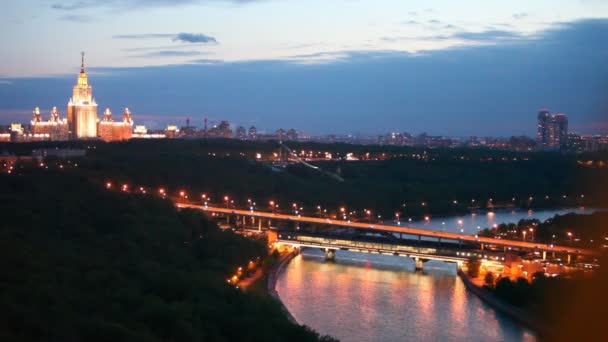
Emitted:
pixel 419 263
pixel 260 225
pixel 330 254
pixel 544 255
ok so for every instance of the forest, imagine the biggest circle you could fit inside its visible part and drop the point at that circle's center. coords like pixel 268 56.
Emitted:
pixel 80 263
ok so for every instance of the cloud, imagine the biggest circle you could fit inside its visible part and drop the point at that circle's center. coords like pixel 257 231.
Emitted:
pixel 484 36
pixel 161 47
pixel 521 15
pixel 78 18
pixel 169 53
pixel 144 36
pixel 207 61
pixel 179 37
pixel 76 5
pixel 194 38
pixel 434 21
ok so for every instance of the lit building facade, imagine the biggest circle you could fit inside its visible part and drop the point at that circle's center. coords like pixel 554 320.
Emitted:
pixel 82 108
pixel 241 133
pixel 110 130
pixel 252 133
pixel 552 130
pixel 56 128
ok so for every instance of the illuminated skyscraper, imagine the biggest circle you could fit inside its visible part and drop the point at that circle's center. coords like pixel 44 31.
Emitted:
pixel 552 130
pixel 82 108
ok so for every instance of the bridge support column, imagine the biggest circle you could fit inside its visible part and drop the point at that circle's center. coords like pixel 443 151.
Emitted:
pixel 227 218
pixel 260 225
pixel 419 264
pixel 569 256
pixel 244 221
pixel 482 246
pixel 544 255
pixel 330 254
pixel 269 223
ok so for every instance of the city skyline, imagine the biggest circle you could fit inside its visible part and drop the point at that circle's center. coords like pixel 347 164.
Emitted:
pixel 431 71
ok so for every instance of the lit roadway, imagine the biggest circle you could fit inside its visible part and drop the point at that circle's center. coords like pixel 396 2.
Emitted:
pixel 388 228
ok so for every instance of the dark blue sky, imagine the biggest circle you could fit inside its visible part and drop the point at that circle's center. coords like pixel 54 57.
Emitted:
pixel 483 90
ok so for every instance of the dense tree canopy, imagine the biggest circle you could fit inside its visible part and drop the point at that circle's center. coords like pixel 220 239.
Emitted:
pixel 83 264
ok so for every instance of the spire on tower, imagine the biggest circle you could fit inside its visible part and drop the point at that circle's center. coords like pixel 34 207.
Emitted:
pixel 82 62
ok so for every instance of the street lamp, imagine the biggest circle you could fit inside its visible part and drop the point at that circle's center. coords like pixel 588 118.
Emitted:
pixel 532 234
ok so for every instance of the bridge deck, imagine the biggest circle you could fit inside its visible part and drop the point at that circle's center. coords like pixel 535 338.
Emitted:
pixel 394 229
pixel 426 252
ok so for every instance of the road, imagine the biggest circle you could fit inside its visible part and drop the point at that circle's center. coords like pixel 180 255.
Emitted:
pixel 394 229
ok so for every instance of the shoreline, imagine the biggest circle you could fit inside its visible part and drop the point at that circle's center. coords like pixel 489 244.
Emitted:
pixel 272 282
pixel 519 315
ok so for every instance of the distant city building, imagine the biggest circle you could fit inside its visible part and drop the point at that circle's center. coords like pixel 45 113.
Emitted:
pixel 189 131
pixel 252 133
pixel 81 122
pixel 110 130
pixel 280 133
pixel 18 134
pixel 291 134
pixel 172 131
pixel 222 130
pixel 521 143
pixel 56 128
pixel 395 138
pixel 140 129
pixel 552 130
pixel 241 133
pixel 63 153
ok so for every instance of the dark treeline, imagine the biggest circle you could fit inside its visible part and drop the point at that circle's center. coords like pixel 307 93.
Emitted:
pixel 572 308
pixel 80 263
pixel 427 184
pixel 411 186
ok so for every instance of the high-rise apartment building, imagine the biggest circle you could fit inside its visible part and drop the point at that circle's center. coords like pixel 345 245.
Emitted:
pixel 552 130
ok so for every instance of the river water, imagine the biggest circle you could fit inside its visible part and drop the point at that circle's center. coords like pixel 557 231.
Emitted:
pixel 369 297
pixel 473 222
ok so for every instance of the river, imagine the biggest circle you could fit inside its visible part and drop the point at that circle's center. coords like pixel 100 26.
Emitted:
pixel 369 297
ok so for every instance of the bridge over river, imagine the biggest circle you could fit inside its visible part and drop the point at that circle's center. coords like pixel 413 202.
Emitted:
pixel 483 243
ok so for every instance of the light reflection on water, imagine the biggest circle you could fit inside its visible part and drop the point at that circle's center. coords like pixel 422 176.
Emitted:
pixel 368 297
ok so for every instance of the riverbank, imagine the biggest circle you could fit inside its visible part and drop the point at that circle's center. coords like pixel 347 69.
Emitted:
pixel 272 282
pixel 515 313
